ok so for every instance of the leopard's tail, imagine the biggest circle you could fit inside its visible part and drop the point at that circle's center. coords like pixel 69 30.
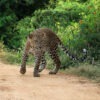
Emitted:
pixel 72 56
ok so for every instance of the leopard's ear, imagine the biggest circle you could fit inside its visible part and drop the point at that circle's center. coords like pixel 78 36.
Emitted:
pixel 30 35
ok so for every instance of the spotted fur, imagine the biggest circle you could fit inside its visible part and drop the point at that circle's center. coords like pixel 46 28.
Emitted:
pixel 40 41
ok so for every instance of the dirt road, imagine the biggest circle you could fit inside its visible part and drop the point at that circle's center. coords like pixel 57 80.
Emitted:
pixel 14 86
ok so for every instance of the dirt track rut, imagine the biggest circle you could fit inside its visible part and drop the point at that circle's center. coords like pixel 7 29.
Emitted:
pixel 14 86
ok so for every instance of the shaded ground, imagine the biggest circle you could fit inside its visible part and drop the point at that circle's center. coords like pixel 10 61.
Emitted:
pixel 14 86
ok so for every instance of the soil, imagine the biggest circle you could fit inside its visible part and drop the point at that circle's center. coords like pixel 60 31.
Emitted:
pixel 14 86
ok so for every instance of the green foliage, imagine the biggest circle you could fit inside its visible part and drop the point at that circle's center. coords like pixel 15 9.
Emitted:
pixel 11 11
pixel 76 23
pixel 90 29
pixel 62 21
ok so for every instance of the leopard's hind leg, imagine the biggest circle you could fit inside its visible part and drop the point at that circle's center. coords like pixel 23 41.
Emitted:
pixel 55 57
pixel 38 57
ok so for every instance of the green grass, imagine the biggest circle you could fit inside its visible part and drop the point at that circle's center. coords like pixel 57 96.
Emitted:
pixel 86 70
pixel 13 57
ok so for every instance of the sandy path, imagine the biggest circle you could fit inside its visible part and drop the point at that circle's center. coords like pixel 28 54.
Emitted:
pixel 14 86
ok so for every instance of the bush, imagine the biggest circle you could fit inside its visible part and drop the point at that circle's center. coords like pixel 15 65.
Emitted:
pixel 90 29
pixel 72 22
pixel 76 24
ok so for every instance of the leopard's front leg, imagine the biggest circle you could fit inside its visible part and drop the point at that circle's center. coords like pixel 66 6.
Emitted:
pixel 23 65
pixel 37 64
pixel 43 63
pixel 25 57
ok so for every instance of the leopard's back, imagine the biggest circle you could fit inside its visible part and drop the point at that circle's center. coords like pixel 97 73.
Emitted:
pixel 44 39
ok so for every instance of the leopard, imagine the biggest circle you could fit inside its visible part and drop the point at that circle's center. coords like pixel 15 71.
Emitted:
pixel 39 42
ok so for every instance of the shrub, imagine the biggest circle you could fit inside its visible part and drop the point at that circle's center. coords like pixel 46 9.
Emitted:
pixel 90 29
